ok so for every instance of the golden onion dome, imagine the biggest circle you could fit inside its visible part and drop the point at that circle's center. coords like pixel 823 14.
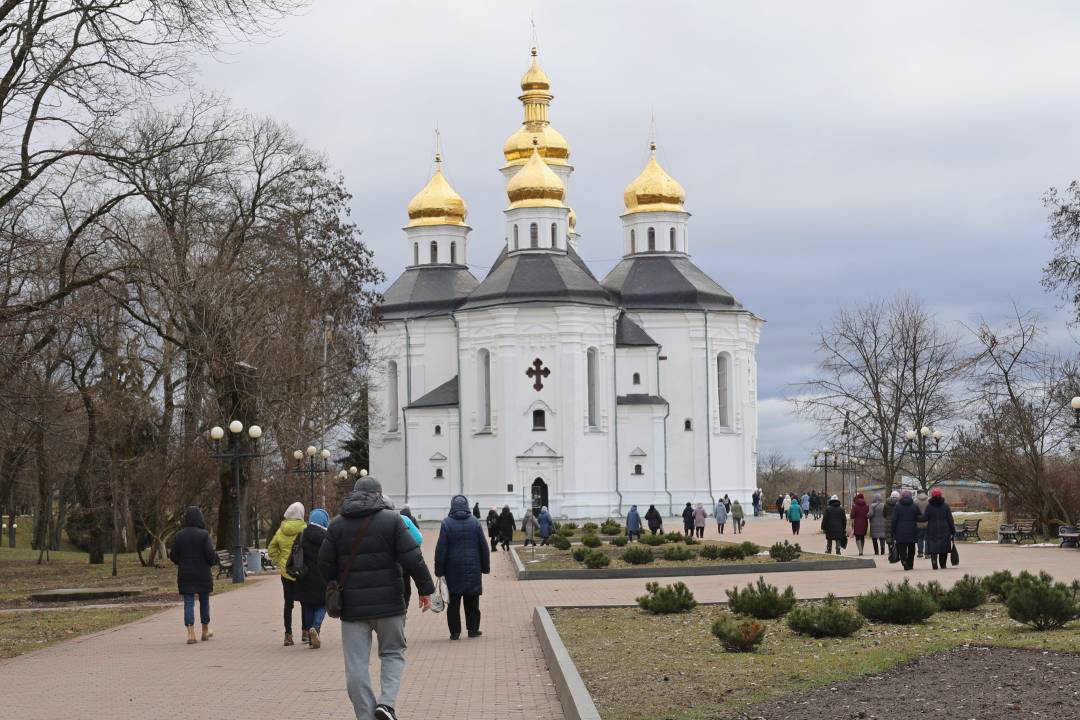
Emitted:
pixel 571 220
pixel 437 203
pixel 535 185
pixel 535 98
pixel 535 78
pixel 654 190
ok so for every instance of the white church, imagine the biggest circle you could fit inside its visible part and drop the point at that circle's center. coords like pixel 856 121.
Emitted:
pixel 541 385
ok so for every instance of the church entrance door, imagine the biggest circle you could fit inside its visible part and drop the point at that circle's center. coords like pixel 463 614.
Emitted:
pixel 539 495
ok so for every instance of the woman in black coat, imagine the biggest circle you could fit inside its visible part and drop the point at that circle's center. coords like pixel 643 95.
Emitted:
pixel 834 525
pixel 656 523
pixel 194 555
pixel 310 590
pixel 493 528
pixel 688 520
pixel 506 527
pixel 940 530
pixel 462 557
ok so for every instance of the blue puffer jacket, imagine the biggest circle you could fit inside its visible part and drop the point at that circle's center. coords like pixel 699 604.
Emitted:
pixel 905 519
pixel 462 554
pixel 546 525
pixel 633 521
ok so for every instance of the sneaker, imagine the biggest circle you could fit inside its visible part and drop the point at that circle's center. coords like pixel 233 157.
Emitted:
pixel 385 712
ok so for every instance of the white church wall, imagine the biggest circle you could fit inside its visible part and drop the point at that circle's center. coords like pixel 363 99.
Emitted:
pixel 639 362
pixel 387 446
pixel 433 450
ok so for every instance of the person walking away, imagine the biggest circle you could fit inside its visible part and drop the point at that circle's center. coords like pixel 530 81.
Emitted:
pixel 804 504
pixel 860 521
pixel 922 502
pixel 940 529
pixel 546 525
pixel 794 516
pixel 462 558
pixel 493 528
pixel 780 507
pixel 366 548
pixel 834 525
pixel 890 506
pixel 311 589
pixel 410 525
pixel 476 511
pixel 506 527
pixel 656 523
pixel 688 520
pixel 721 513
pixel 279 549
pixel 699 519
pixel 633 524
pixel 193 554
pixel 905 518
pixel 876 516
pixel 787 505
pixel 727 503
pixel 737 516
pixel 755 501
pixel 531 525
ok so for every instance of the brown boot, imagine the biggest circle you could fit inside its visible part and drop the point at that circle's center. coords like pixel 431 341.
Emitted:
pixel 191 635
pixel 313 639
pixel 288 640
pixel 207 633
pixel 303 636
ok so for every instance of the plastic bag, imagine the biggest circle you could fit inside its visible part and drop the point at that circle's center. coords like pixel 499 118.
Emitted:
pixel 440 597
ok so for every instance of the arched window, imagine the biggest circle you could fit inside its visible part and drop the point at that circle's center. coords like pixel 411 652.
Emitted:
pixel 416 254
pixel 484 386
pixel 554 235
pixel 637 470
pixel 723 388
pixel 687 424
pixel 438 429
pixel 592 370
pixel 671 235
pixel 434 251
pixel 637 378
pixel 534 235
pixel 515 237
pixel 391 396
pixel 438 473
pixel 652 239
pixel 633 242
pixel 539 420
pixel 453 253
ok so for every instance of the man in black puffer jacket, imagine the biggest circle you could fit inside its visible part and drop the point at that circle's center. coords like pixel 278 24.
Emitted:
pixel 371 597
pixel 905 521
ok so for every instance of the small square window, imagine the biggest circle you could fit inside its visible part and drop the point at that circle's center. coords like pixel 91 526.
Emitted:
pixel 438 473
pixel 509 487
pixel 637 470
pixel 438 429
pixel 688 424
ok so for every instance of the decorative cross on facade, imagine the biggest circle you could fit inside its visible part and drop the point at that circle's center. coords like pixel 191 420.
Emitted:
pixel 539 372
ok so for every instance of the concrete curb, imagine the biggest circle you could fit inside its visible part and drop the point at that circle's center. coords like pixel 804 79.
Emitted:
pixel 658 572
pixel 576 702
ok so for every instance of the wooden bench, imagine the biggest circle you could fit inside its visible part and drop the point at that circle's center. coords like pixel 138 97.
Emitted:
pixel 1006 533
pixel 225 562
pixel 1025 529
pixel 1069 536
pixel 969 530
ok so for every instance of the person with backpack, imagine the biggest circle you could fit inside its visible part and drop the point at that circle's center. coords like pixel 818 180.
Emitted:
pixel 279 549
pixel 462 558
pixel 410 524
pixel 193 554
pixel 310 584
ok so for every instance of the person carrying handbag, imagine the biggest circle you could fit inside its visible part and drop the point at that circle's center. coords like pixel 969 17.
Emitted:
pixel 366 550
pixel 462 558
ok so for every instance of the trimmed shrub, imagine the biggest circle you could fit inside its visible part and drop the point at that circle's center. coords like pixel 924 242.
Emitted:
pixel 967 593
pixel 652 540
pixel 580 553
pixel 673 536
pixel 570 525
pixel 902 604
pixel 559 541
pixel 591 541
pixel 619 540
pixel 785 551
pixel 749 548
pixel 637 556
pixel 565 531
pixel 1042 604
pixel 590 527
pixel 762 601
pixel 710 552
pixel 610 527
pixel 596 560
pixel 738 635
pixel 830 619
pixel 691 541
pixel 678 553
pixel 997 584
pixel 732 552
pixel 675 598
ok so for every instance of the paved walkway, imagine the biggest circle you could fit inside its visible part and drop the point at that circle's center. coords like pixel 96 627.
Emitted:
pixel 144 670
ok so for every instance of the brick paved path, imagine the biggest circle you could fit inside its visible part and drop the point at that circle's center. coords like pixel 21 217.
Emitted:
pixel 144 670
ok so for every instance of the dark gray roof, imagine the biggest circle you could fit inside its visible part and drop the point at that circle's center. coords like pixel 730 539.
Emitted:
pixel 551 278
pixel 629 334
pixel 666 282
pixel 427 290
pixel 446 395
pixel 640 399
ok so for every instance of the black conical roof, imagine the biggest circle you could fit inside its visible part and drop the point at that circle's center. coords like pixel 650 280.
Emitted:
pixel 550 278
pixel 426 291
pixel 665 282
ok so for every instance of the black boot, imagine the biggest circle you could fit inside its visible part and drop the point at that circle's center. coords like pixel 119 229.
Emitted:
pixel 933 561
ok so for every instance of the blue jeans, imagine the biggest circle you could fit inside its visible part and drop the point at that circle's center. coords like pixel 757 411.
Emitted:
pixel 312 616
pixel 189 609
pixel 920 540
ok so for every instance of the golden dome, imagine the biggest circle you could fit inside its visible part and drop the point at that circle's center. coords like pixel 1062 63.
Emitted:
pixel 654 190
pixel 437 203
pixel 535 78
pixel 571 220
pixel 535 185
pixel 535 98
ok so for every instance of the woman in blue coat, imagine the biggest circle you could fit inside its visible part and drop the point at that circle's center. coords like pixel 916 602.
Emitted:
pixel 462 556
pixel 546 525
pixel 633 524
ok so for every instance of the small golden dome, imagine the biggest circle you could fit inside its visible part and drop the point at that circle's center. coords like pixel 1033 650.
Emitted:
pixel 551 144
pixel 437 203
pixel 571 219
pixel 535 78
pixel 654 190
pixel 535 185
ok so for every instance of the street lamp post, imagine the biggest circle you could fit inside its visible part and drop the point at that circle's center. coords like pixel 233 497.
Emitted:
pixel 917 444
pixel 311 469
pixel 1075 405
pixel 825 455
pixel 235 453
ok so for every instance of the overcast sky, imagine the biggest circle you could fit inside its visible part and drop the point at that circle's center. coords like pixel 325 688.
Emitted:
pixel 832 152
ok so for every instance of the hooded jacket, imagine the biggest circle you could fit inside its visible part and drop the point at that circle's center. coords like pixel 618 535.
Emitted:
pixel 834 521
pixel 546 525
pixel 721 513
pixel 940 527
pixel 311 589
pixel 736 511
pixel 877 518
pixel 462 554
pixel 492 523
pixel 890 508
pixel 374 586
pixel 652 516
pixel 281 545
pixel 860 514
pixel 794 512
pixel 633 521
pixel 905 518
pixel 530 525
pixel 688 517
pixel 506 525
pixel 193 554
pixel 922 502
pixel 700 515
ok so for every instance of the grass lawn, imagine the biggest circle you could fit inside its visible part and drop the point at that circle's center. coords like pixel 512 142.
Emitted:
pixel 550 558
pixel 26 631
pixel 684 674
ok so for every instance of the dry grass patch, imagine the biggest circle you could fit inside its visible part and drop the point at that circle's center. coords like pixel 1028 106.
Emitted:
pixel 31 630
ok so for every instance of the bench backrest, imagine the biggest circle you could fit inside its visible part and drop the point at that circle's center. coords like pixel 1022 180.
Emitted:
pixel 1066 530
pixel 972 524
pixel 1007 527
pixel 224 555
pixel 1025 525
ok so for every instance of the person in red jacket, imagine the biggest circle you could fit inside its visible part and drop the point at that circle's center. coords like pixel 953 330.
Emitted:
pixel 860 523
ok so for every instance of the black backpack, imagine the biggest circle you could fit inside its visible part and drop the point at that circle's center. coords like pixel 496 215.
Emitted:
pixel 295 567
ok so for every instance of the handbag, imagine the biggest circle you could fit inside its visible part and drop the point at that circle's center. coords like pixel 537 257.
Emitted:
pixel 335 589
pixel 439 597
pixel 954 555
pixel 894 553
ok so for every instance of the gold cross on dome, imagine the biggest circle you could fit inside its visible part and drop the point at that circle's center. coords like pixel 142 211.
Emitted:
pixel 539 372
